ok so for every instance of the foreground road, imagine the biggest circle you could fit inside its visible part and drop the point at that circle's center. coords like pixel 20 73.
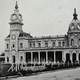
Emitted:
pixel 71 74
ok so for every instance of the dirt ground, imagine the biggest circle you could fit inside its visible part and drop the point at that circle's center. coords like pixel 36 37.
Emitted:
pixel 71 74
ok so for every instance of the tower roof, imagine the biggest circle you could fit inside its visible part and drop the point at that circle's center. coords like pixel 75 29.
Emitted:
pixel 16 16
pixel 75 23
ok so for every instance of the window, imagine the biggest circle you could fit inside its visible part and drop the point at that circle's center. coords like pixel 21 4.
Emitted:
pixel 39 44
pixel 21 45
pixel 14 58
pixel 63 43
pixel 53 44
pixel 7 46
pixel 72 42
pixel 13 45
pixel 21 59
pixel 7 59
pixel 59 44
pixel 46 44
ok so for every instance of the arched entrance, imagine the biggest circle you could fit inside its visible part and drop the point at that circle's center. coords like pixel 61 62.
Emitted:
pixel 72 42
pixel 28 57
pixel 74 57
pixel 79 57
pixel 43 56
pixel 35 56
pixel 51 56
pixel 58 56
pixel 68 58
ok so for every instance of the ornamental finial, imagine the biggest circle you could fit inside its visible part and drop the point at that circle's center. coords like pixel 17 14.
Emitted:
pixel 75 15
pixel 16 6
pixel 75 10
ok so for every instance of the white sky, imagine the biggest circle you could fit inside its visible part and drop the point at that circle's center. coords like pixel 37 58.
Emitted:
pixel 41 17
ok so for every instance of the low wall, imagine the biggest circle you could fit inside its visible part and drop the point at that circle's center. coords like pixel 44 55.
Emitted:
pixel 4 68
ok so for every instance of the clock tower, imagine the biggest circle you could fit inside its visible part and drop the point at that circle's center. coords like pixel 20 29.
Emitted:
pixel 74 31
pixel 15 30
pixel 16 20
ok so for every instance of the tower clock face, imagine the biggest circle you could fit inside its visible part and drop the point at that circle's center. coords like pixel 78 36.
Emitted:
pixel 13 37
pixel 72 27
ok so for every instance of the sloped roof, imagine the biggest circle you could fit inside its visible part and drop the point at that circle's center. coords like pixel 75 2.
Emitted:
pixel 24 34
pixel 8 36
pixel 74 26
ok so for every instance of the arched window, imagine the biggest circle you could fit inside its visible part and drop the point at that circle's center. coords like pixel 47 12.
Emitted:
pixel 72 42
pixel 21 45
pixel 7 59
pixel 39 44
pixel 63 43
pixel 21 59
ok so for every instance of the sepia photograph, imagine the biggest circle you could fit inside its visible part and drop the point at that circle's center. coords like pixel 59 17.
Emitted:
pixel 39 39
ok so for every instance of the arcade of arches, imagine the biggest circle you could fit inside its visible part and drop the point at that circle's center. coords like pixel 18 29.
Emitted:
pixel 50 56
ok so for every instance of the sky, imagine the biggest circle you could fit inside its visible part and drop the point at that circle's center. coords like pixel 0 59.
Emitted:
pixel 40 17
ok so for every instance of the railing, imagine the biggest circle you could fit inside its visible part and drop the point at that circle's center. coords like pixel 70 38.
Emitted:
pixel 17 67
pixel 40 67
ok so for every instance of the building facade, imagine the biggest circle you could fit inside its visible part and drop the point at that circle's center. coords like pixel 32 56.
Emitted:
pixel 23 48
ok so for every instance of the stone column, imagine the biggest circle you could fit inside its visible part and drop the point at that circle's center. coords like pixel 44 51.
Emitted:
pixel 54 57
pixel 39 57
pixel 31 57
pixel 71 57
pixel 77 57
pixel 63 56
pixel 46 56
